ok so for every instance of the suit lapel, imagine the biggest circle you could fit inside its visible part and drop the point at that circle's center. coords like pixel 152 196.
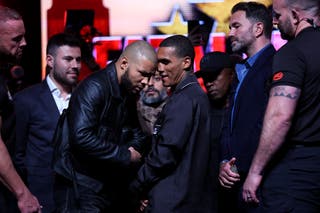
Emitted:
pixel 257 66
pixel 48 100
pixel 254 70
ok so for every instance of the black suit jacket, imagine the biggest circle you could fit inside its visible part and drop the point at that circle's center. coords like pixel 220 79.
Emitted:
pixel 36 118
pixel 241 139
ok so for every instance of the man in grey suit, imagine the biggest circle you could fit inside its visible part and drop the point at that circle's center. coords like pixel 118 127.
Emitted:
pixel 38 109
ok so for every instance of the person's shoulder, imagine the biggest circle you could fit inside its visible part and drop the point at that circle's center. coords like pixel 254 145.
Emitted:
pixel 266 53
pixel 97 76
pixel 289 49
pixel 30 91
pixel 95 85
pixel 192 95
pixel 94 80
pixel 30 95
pixel 195 89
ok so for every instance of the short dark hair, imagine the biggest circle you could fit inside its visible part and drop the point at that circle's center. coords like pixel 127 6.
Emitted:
pixel 61 39
pixel 256 12
pixel 183 46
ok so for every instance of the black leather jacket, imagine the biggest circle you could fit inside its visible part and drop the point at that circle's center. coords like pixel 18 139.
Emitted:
pixel 100 131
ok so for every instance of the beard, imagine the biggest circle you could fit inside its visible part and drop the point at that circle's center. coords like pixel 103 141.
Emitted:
pixel 154 100
pixel 286 36
pixel 10 59
pixel 286 30
pixel 64 80
pixel 126 83
pixel 241 44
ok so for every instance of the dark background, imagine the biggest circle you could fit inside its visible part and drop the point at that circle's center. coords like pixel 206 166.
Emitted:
pixel 31 60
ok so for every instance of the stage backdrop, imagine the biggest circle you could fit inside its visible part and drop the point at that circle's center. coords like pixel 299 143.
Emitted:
pixel 119 22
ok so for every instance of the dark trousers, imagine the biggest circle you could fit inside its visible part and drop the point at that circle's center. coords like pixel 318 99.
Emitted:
pixel 111 199
pixel 8 203
pixel 67 202
pixel 293 184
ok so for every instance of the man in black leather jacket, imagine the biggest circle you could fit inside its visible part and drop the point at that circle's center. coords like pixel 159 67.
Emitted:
pixel 104 150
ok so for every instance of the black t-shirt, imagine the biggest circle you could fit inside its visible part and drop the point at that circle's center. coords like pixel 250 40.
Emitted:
pixel 4 96
pixel 7 115
pixel 297 64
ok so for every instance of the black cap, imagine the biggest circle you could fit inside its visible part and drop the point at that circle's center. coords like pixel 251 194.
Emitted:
pixel 213 63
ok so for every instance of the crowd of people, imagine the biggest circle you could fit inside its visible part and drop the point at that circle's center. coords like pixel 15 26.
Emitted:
pixel 142 134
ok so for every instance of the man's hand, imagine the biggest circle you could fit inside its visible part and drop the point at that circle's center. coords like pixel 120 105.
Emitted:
pixel 28 203
pixel 227 177
pixel 250 187
pixel 143 205
pixel 135 156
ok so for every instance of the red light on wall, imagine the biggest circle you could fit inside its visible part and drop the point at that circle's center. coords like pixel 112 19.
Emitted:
pixel 155 40
pixel 129 39
pixel 102 47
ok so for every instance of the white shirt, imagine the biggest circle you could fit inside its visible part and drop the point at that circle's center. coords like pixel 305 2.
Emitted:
pixel 56 93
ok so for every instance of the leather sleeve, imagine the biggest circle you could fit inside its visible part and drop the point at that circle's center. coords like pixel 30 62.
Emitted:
pixel 86 107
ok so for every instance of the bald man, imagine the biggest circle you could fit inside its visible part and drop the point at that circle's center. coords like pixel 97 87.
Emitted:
pixel 12 43
pixel 105 143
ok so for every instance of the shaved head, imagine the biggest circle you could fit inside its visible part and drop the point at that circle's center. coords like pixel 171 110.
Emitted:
pixel 7 14
pixel 12 35
pixel 140 49
pixel 136 65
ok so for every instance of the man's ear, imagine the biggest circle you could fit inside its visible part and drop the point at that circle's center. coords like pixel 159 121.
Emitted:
pixel 50 60
pixel 124 63
pixel 258 29
pixel 187 62
pixel 295 16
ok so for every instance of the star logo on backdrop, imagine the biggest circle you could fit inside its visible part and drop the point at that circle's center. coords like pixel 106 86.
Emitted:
pixel 176 24
pixel 219 10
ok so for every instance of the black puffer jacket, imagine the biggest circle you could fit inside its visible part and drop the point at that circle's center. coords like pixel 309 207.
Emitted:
pixel 100 129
